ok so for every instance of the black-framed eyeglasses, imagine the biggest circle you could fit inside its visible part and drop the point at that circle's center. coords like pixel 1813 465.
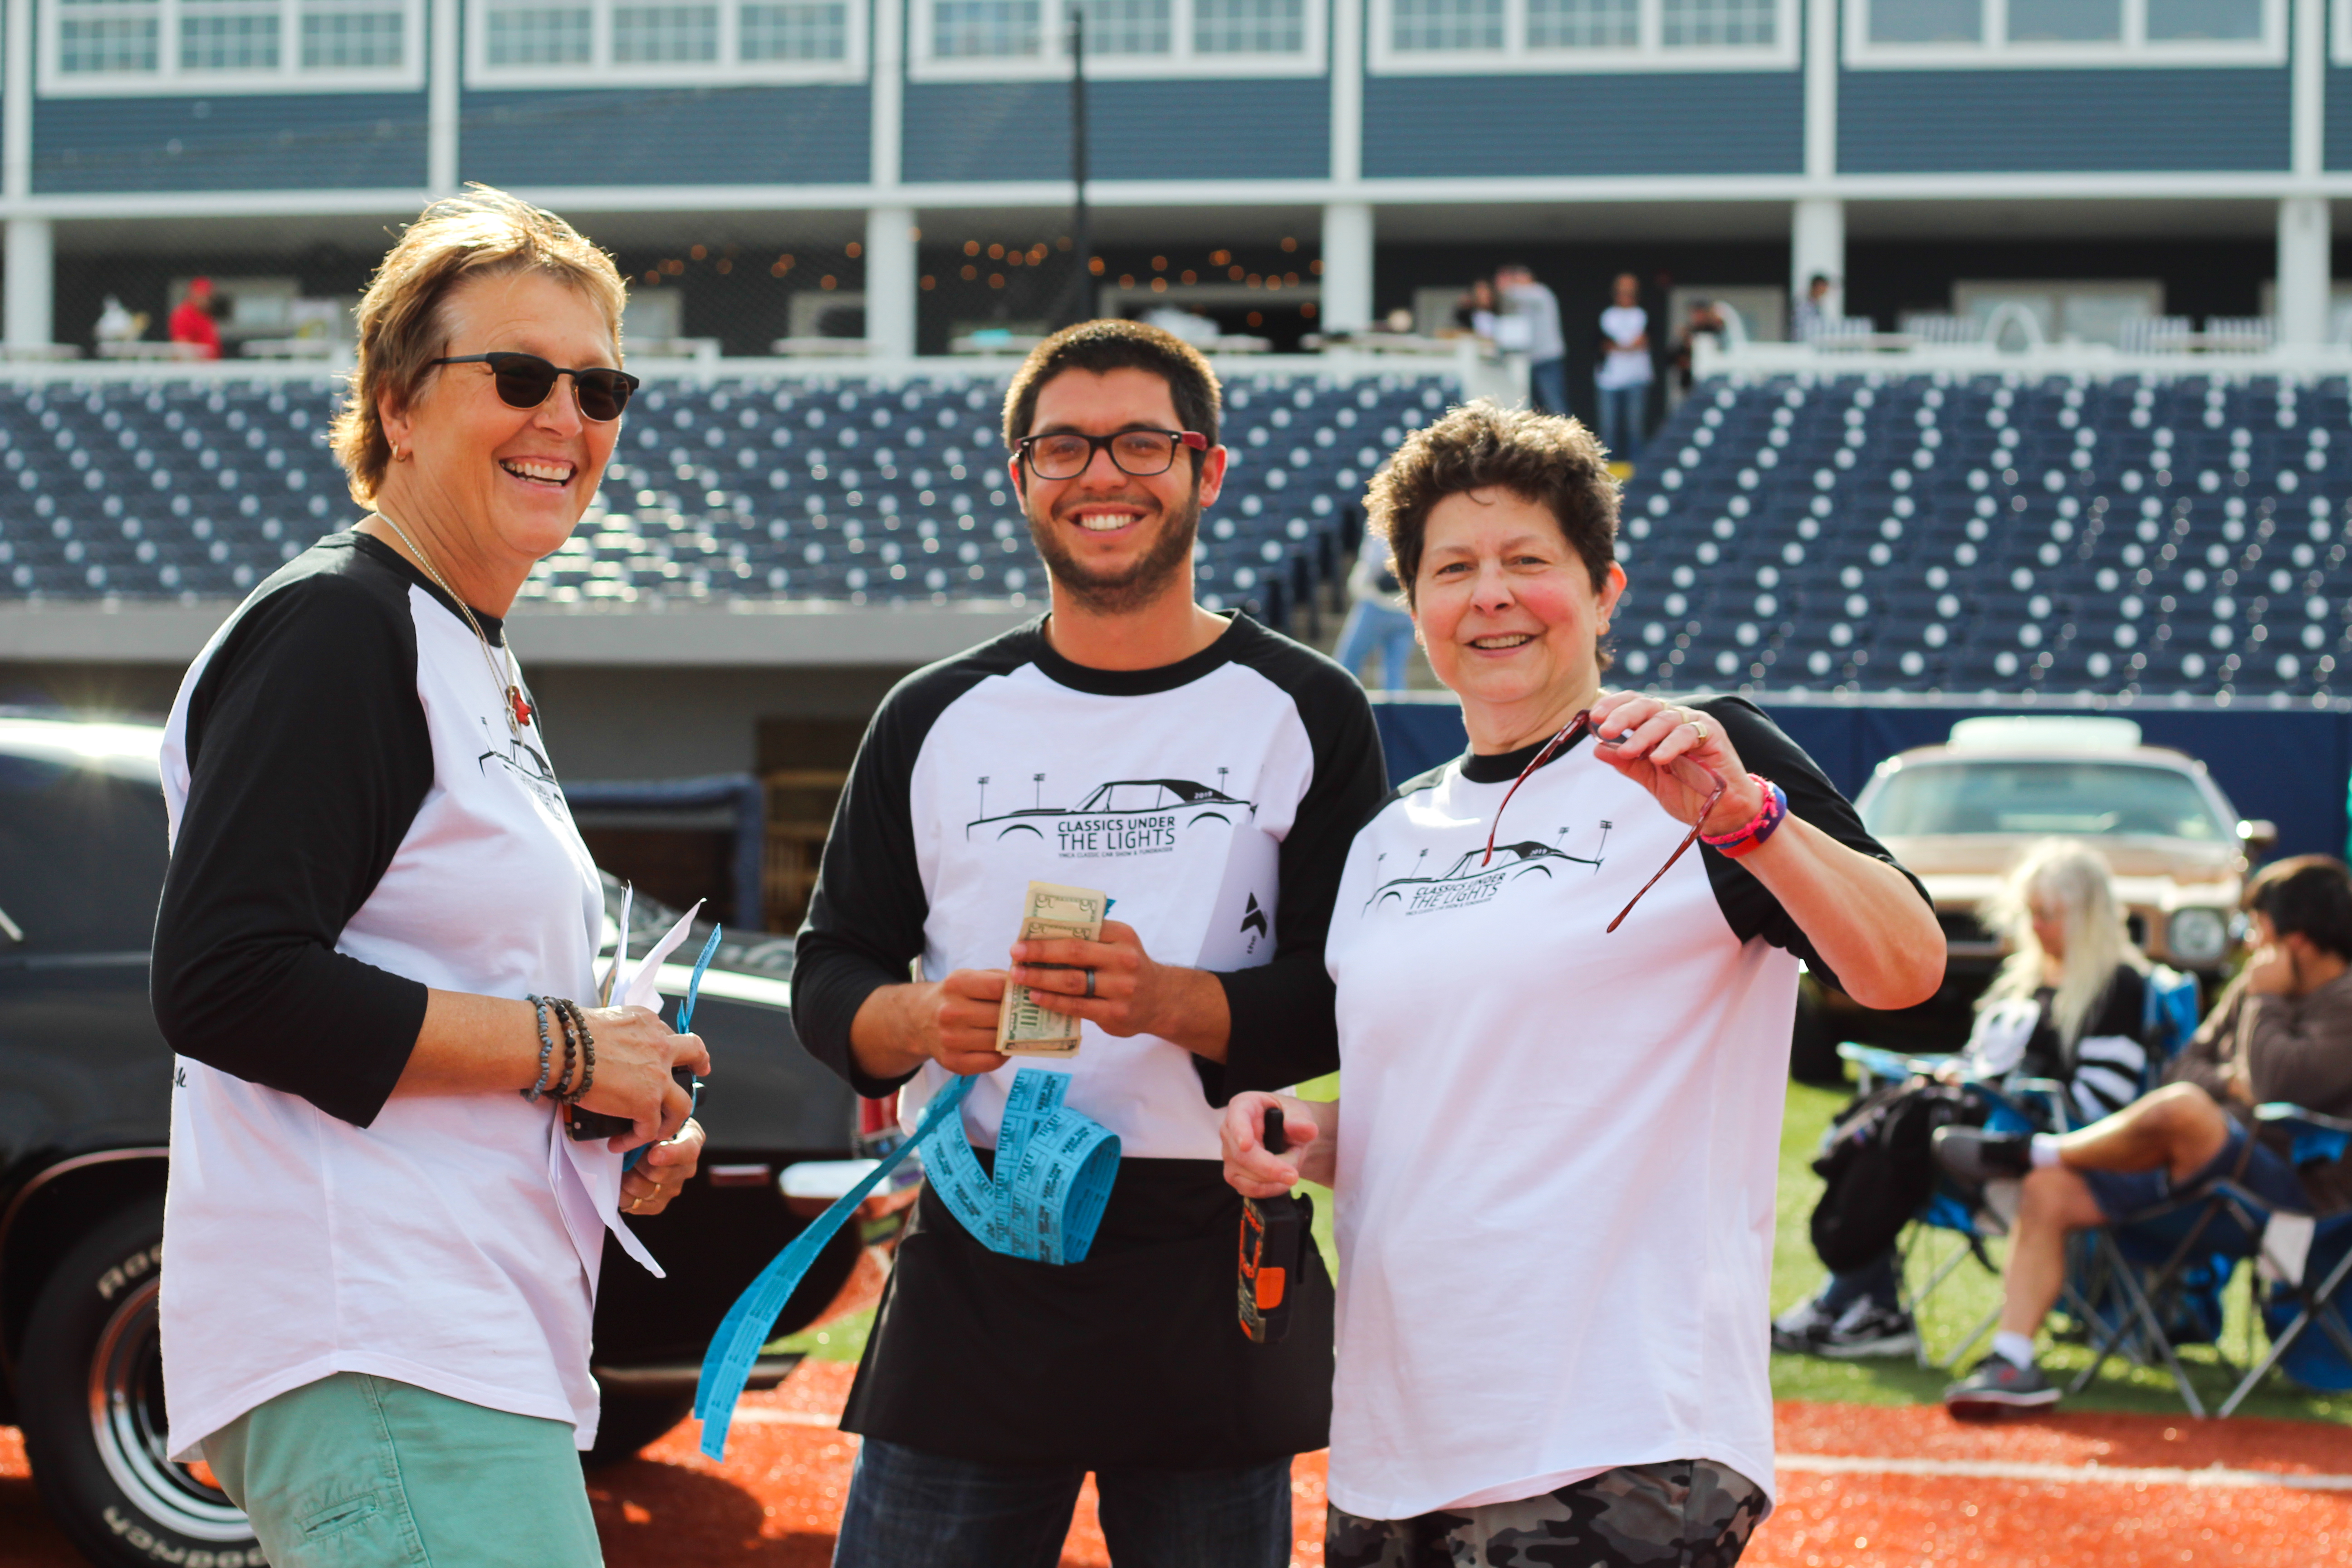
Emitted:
pixel 1578 728
pixel 1065 454
pixel 525 380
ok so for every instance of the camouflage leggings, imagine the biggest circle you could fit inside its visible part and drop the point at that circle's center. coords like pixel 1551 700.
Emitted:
pixel 1690 1513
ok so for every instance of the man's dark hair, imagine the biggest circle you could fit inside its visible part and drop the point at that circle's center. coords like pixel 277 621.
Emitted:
pixel 1108 346
pixel 2310 894
pixel 1546 459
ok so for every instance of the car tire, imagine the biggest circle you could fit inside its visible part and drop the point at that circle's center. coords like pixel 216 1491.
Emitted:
pixel 627 1422
pixel 91 1401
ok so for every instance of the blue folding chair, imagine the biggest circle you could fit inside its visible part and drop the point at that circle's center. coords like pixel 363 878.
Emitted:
pixel 2164 1269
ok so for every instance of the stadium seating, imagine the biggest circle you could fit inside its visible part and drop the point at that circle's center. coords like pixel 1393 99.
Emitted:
pixel 781 488
pixel 1963 535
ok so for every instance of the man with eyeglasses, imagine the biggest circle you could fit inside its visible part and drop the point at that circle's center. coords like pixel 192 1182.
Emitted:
pixel 1207 774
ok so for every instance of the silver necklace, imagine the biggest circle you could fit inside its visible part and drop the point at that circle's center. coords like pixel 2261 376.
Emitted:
pixel 510 684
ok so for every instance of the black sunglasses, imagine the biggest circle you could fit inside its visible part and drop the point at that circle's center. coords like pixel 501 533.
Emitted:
pixel 525 380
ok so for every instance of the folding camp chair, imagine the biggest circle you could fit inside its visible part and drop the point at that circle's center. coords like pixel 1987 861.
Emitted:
pixel 2022 1105
pixel 2019 1104
pixel 2307 1261
pixel 2153 1260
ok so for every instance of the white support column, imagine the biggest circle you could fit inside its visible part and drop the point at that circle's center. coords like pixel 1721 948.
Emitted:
pixel 1821 88
pixel 2304 236
pixel 890 282
pixel 886 127
pixel 1347 267
pixel 1816 246
pixel 2308 114
pixel 32 284
pixel 1347 92
pixel 16 117
pixel 442 101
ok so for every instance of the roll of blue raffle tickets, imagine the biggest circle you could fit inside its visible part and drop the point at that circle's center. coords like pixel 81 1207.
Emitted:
pixel 1054 1173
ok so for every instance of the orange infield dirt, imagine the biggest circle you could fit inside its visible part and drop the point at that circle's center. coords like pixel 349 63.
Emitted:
pixel 2055 1491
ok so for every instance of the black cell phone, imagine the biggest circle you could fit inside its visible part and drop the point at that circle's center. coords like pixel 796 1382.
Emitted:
pixel 1272 1230
pixel 587 1125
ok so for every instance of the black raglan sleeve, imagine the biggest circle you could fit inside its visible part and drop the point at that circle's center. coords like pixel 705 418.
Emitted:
pixel 866 917
pixel 1748 906
pixel 308 759
pixel 1284 1029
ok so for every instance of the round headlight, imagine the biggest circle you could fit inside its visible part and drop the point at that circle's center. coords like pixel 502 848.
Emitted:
pixel 2200 936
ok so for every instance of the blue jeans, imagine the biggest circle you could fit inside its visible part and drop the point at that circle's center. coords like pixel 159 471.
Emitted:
pixel 1622 408
pixel 912 1509
pixel 1372 626
pixel 1877 1279
pixel 1547 385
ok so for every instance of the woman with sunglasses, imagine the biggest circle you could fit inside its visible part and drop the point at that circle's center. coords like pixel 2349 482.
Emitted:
pixel 1563 1043
pixel 375 959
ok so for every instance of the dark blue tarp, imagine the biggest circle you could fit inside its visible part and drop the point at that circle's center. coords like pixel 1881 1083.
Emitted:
pixel 2288 766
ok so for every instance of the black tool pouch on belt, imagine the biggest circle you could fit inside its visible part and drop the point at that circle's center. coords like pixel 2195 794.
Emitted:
pixel 1879 1172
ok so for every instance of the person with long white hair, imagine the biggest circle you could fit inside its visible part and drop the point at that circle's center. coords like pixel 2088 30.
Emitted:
pixel 2069 1004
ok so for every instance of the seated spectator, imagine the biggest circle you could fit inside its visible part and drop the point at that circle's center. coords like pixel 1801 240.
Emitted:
pixel 192 321
pixel 2068 1005
pixel 2283 1031
pixel 1479 310
pixel 1705 321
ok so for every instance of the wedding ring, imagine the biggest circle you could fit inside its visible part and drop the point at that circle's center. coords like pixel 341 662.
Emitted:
pixel 1090 982
pixel 1698 728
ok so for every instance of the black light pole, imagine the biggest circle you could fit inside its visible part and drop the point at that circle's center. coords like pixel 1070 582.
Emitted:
pixel 1081 238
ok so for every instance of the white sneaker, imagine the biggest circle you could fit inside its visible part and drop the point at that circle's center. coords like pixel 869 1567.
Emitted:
pixel 1867 1329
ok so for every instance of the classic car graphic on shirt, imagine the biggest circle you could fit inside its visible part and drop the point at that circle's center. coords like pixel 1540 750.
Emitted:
pixel 1124 816
pixel 1474 880
pixel 525 763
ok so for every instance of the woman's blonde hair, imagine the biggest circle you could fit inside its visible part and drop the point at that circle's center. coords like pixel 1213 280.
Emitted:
pixel 2074 876
pixel 403 322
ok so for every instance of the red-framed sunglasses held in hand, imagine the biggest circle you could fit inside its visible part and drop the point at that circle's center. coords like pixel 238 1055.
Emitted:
pixel 1581 726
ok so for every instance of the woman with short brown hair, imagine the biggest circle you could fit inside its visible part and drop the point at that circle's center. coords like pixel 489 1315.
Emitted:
pixel 381 1247
pixel 1555 1164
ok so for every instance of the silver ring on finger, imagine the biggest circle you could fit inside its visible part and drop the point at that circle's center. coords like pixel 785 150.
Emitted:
pixel 1090 982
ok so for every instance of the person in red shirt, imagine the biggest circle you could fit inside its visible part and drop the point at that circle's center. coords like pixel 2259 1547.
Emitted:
pixel 192 320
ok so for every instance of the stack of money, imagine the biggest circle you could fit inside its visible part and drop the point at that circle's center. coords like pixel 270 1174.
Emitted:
pixel 1023 1028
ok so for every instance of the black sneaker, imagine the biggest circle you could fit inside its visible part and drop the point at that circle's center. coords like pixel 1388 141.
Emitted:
pixel 1997 1385
pixel 1972 1156
pixel 1870 1328
pixel 1800 1330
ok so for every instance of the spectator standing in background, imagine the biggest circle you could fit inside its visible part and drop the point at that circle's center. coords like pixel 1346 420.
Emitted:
pixel 1536 310
pixel 1813 309
pixel 192 321
pixel 1479 311
pixel 1625 374
pixel 1705 321
pixel 1377 617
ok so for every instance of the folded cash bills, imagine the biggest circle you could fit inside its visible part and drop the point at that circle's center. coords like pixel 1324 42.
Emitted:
pixel 1023 1028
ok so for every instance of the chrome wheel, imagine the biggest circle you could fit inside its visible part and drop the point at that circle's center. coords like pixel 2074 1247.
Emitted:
pixel 127 1426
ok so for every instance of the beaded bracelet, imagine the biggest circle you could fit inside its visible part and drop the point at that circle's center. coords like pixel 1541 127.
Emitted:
pixel 576 1025
pixel 587 1060
pixel 1743 839
pixel 564 1009
pixel 546 1049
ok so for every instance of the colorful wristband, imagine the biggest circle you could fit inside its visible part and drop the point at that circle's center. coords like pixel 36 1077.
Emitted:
pixel 1757 828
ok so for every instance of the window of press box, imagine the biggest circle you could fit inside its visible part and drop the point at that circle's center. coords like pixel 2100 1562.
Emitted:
pixel 1581 35
pixel 2066 31
pixel 97 46
pixel 957 37
pixel 532 43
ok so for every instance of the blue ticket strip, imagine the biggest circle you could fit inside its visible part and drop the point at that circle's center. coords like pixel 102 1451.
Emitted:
pixel 1055 1168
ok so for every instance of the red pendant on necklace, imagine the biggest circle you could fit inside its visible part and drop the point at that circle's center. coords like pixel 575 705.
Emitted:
pixel 521 708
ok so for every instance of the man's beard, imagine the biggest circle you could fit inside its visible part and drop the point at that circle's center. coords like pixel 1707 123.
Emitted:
pixel 1129 589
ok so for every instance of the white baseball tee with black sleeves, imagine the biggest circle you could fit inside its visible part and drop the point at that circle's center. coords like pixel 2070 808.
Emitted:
pixel 1213 800
pixel 352 823
pixel 1558 1145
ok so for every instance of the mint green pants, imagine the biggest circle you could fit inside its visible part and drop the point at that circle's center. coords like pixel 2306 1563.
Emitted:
pixel 355 1471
